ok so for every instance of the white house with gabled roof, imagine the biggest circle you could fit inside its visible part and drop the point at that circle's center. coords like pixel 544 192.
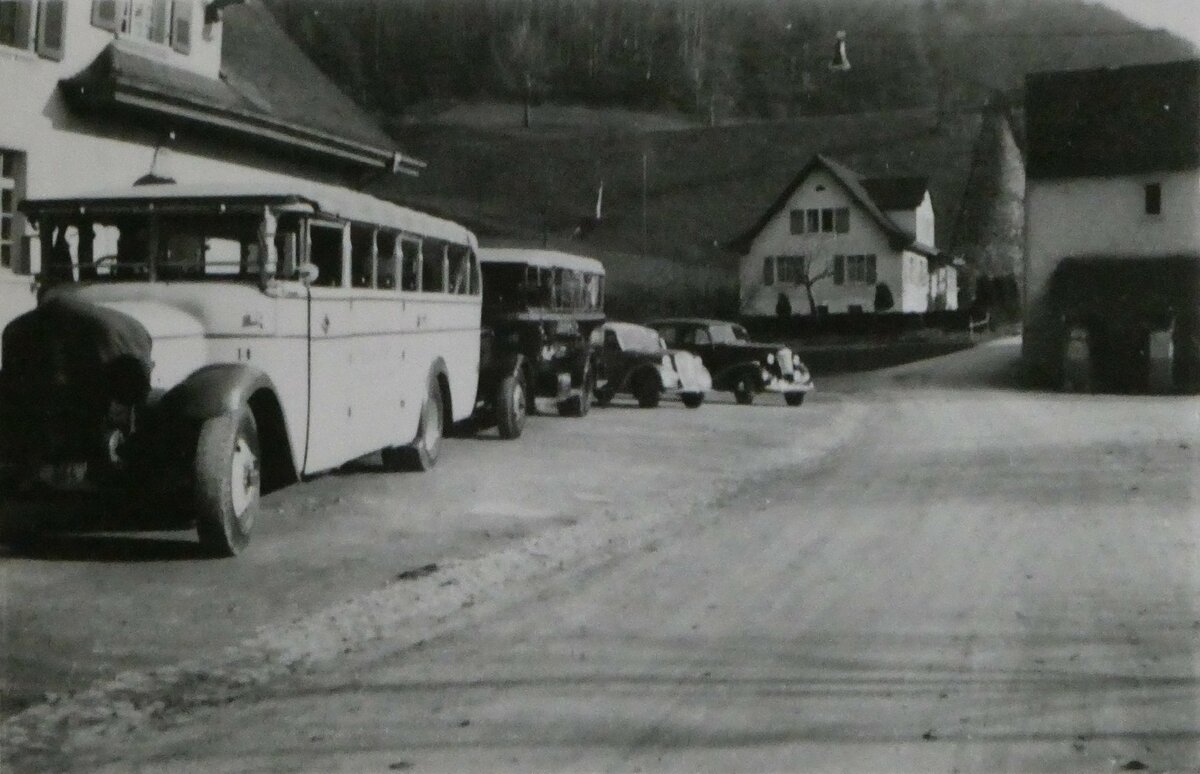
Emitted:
pixel 862 241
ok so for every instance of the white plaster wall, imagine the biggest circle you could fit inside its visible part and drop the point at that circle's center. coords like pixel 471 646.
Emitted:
pixel 776 238
pixel 1106 216
pixel 1097 217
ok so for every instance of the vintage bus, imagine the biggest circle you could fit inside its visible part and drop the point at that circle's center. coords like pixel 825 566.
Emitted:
pixel 211 343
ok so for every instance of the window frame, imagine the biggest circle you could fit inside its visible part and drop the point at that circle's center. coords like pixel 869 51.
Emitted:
pixel 10 183
pixel 33 28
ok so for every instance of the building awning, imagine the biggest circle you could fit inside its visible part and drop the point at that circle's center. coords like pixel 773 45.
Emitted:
pixel 121 80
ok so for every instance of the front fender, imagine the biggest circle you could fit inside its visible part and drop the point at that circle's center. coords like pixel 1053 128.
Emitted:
pixel 214 390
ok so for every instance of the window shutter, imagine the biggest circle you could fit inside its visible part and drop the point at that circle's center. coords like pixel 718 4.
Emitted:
pixel 52 23
pixel 842 217
pixel 797 221
pixel 869 260
pixel 839 270
pixel 181 26
pixel 768 271
pixel 104 14
pixel 17 25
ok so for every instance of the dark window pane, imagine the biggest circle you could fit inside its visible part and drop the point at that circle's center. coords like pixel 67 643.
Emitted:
pixel 6 201
pixel 5 255
pixel 5 227
pixel 7 164
pixel 827 220
pixel 1154 199
pixel 814 221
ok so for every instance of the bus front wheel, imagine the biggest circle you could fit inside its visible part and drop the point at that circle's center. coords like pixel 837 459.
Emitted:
pixel 227 482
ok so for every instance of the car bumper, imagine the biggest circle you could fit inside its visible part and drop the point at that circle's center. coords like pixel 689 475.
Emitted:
pixel 786 384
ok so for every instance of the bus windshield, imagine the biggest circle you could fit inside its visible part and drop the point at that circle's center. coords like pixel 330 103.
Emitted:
pixel 169 247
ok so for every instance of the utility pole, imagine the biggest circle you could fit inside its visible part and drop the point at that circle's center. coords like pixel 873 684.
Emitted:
pixel 645 181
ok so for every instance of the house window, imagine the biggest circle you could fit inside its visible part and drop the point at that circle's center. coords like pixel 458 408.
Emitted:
pixel 769 270
pixel 789 268
pixel 165 22
pixel 9 191
pixel 37 25
pixel 860 269
pixel 1154 199
pixel 828 220
pixel 854 270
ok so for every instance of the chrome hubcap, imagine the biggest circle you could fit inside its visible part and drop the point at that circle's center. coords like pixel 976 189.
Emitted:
pixel 244 482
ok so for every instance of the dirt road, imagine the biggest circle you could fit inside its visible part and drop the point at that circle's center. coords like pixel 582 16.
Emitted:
pixel 954 576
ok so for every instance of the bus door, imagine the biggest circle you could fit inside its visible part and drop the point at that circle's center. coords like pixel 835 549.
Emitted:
pixel 331 371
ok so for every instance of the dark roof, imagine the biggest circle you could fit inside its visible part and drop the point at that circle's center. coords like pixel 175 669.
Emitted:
pixel 259 58
pixel 854 185
pixel 268 92
pixel 1118 121
pixel 897 193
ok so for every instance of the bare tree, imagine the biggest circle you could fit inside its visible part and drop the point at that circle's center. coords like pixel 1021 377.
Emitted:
pixel 808 278
pixel 525 61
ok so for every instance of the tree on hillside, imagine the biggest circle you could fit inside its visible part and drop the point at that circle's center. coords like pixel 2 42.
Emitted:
pixel 524 61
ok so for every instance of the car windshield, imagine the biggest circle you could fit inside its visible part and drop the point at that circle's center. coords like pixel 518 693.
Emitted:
pixel 728 334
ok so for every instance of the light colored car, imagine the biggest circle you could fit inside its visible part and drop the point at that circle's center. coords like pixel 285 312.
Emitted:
pixel 634 359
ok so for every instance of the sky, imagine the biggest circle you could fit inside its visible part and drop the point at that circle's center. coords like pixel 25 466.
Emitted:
pixel 1179 16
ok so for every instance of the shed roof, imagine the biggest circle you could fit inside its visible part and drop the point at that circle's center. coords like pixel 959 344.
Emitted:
pixel 1113 121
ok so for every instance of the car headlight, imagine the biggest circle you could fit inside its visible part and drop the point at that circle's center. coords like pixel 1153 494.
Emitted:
pixel 666 362
pixel 770 360
pixel 796 361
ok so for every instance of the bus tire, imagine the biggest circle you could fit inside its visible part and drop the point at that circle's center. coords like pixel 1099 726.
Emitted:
pixel 227 476
pixel 422 453
pixel 512 400
pixel 579 405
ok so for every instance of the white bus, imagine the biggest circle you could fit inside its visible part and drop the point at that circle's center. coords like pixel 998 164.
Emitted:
pixel 221 341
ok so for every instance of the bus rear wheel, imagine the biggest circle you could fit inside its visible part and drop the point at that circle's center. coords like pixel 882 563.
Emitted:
pixel 422 453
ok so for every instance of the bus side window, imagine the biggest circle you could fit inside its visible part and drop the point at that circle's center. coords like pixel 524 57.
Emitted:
pixel 325 252
pixel 433 267
pixel 410 276
pixel 287 247
pixel 389 259
pixel 460 269
pixel 362 257
pixel 473 268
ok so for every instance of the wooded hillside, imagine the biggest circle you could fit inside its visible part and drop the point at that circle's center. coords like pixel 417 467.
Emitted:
pixel 713 60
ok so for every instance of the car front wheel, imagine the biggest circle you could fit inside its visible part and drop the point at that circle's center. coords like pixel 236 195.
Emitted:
pixel 692 399
pixel 743 393
pixel 228 482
